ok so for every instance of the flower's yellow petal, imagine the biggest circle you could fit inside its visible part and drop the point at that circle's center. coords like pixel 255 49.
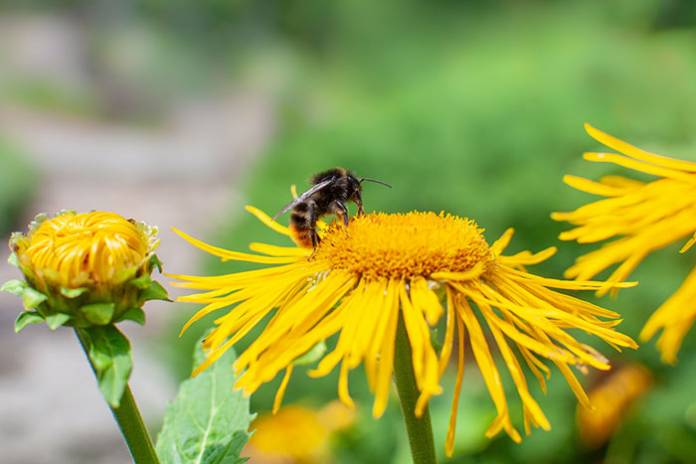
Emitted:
pixel 526 258
pixel 675 316
pixel 286 336
pixel 688 244
pixel 535 414
pixel 523 277
pixel 471 274
pixel 547 351
pixel 489 371
pixel 449 332
pixel 354 308
pixel 575 386
pixel 278 400
pixel 297 271
pixel 200 314
pixel 368 319
pixel 501 244
pixel 273 250
pixel 452 429
pixel 595 188
pixel 638 166
pixel 412 323
pixel 538 368
pixel 268 221
pixel 621 181
pixel 343 393
pixel 637 153
pixel 424 299
pixel 390 306
pixel 424 359
pixel 386 363
pixel 233 255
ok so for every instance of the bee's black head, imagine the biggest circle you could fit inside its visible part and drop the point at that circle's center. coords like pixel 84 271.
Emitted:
pixel 353 184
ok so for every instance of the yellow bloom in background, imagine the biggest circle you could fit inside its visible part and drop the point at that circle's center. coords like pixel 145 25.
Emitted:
pixel 641 217
pixel 297 434
pixel 382 270
pixel 612 399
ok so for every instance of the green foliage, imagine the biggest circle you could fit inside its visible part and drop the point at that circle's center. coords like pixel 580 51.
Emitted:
pixel 154 291
pixel 99 313
pixel 73 292
pixel 109 351
pixel 31 298
pixel 136 315
pixel 17 184
pixel 26 318
pixel 55 320
pixel 47 96
pixel 208 422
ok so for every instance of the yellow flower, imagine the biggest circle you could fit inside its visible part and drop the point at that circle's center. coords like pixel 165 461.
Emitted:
pixel 364 278
pixel 641 217
pixel 71 261
pixel 298 434
pixel 72 250
pixel 611 400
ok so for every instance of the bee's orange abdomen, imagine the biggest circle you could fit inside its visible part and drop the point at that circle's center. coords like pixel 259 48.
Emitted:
pixel 302 236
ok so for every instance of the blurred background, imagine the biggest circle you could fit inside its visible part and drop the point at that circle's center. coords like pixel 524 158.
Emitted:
pixel 180 112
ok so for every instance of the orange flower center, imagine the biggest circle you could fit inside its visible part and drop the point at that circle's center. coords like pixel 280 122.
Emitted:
pixel 404 246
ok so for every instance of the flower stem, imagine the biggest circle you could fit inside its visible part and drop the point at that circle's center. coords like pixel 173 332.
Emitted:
pixel 130 422
pixel 420 432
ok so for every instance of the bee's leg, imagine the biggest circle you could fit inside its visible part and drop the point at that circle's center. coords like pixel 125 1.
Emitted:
pixel 357 199
pixel 340 210
pixel 315 238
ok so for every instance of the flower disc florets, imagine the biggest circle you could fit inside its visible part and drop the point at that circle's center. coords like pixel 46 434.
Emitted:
pixel 405 246
pixel 91 267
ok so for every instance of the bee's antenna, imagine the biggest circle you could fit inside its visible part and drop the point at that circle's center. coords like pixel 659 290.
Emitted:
pixel 375 181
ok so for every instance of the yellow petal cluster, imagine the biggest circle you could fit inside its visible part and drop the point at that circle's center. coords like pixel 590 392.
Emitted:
pixel 638 217
pixel 423 269
pixel 73 250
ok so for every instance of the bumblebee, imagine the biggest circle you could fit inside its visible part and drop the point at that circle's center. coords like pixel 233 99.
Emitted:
pixel 331 190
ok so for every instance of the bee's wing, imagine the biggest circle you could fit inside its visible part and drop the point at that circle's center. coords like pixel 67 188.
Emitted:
pixel 306 194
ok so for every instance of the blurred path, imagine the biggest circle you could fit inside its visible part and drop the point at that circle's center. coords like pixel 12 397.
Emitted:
pixel 181 173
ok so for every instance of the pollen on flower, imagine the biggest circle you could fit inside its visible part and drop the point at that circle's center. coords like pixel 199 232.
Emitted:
pixel 402 246
pixel 71 250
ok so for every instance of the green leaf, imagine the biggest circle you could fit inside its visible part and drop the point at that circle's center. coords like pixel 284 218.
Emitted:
pixel 142 282
pixel 32 298
pixel 155 292
pixel 27 317
pixel 12 260
pixel 312 355
pixel 56 320
pixel 156 263
pixel 136 315
pixel 208 421
pixel 14 286
pixel 99 313
pixel 72 292
pixel 109 351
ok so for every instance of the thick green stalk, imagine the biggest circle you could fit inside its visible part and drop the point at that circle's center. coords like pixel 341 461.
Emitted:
pixel 420 432
pixel 130 422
